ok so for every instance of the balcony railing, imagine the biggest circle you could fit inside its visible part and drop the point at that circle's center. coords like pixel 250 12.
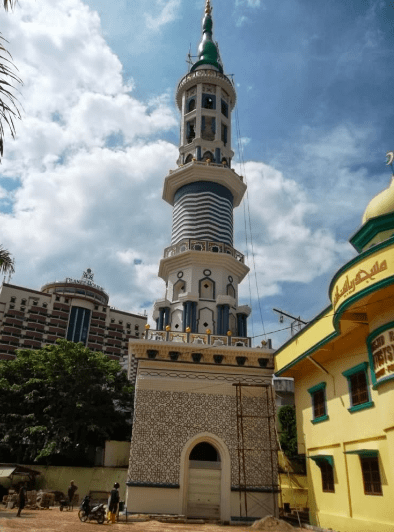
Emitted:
pixel 190 244
pixel 203 163
pixel 214 340
pixel 199 75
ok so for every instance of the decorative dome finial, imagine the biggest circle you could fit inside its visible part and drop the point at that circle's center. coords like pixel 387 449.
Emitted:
pixel 208 53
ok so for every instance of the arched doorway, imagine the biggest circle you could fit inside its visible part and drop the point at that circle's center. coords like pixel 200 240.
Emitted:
pixel 204 486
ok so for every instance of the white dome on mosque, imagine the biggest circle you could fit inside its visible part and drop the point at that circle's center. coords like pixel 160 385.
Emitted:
pixel 382 203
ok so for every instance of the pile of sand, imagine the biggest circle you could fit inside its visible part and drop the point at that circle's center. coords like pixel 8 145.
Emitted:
pixel 272 524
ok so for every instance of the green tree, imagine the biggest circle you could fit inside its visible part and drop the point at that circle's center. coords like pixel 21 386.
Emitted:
pixel 288 434
pixel 8 103
pixel 6 261
pixel 60 402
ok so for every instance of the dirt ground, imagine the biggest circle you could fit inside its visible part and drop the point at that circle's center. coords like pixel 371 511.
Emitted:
pixel 53 520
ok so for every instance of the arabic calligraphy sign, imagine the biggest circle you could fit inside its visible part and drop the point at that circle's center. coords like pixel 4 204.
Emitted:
pixel 362 275
pixel 381 353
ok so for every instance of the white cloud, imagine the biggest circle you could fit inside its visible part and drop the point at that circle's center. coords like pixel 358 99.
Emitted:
pixel 82 202
pixel 286 247
pixel 169 12
pixel 248 3
pixel 241 20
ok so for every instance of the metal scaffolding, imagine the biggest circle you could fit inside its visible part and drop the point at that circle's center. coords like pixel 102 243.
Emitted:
pixel 252 452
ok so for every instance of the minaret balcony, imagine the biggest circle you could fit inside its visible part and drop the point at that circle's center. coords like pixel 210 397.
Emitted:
pixel 202 339
pixel 192 244
pixel 203 171
pixel 189 258
pixel 205 76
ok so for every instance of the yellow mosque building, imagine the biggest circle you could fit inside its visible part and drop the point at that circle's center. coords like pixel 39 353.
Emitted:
pixel 342 363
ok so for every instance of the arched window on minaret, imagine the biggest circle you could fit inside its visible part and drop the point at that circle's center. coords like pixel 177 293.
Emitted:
pixel 189 158
pixel 231 290
pixel 208 155
pixel 207 288
pixel 179 288
pixel 190 130
pixel 191 105
pixel 208 101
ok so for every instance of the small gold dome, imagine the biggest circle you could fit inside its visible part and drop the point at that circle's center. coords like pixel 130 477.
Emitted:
pixel 382 203
pixel 168 327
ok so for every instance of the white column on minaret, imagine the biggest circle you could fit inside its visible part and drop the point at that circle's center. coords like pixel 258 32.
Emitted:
pixel 218 113
pixel 183 124
pixel 198 110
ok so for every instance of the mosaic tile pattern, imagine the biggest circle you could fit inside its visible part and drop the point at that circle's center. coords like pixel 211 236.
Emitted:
pixel 165 420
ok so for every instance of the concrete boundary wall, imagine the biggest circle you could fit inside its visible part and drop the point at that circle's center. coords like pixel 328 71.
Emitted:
pixel 86 478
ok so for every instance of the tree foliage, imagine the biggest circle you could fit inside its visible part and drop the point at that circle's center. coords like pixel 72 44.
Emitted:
pixel 288 435
pixel 60 402
pixel 9 110
pixel 6 261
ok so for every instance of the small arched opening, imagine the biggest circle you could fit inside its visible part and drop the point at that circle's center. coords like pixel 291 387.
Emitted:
pixel 230 290
pixel 204 452
pixel 208 101
pixel 208 155
pixel 207 288
pixel 189 158
pixel 179 288
pixel 191 105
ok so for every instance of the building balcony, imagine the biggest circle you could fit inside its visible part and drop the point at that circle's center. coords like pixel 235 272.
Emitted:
pixel 60 315
pixel 190 244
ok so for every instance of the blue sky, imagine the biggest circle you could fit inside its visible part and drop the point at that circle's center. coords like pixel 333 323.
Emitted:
pixel 81 185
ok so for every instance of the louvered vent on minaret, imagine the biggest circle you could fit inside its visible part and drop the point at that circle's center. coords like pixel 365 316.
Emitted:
pixel 203 211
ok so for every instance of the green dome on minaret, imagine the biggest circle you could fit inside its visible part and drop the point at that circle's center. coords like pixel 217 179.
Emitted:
pixel 208 53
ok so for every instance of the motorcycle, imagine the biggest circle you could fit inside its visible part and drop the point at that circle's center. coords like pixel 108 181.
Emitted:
pixel 88 513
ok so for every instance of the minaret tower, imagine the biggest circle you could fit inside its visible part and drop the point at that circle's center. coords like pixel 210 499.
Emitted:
pixel 201 268
pixel 203 442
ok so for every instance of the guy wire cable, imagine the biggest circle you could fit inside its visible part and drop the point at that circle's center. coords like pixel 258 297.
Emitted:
pixel 243 170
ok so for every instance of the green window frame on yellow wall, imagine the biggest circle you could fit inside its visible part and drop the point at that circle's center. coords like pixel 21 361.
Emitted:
pixel 326 464
pixel 358 383
pixel 319 402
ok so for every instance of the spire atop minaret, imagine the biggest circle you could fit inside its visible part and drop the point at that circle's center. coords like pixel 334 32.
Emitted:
pixel 208 53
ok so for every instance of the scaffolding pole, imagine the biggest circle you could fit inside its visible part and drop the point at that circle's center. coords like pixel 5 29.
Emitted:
pixel 244 485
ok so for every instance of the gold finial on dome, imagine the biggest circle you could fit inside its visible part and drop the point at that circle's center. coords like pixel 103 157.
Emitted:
pixel 382 203
pixel 208 8
pixel 390 159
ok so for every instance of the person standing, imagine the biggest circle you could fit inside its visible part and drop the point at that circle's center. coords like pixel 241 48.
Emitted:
pixel 22 498
pixel 113 503
pixel 71 491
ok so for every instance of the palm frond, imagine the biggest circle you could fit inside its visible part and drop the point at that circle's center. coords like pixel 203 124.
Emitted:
pixel 9 3
pixel 6 261
pixel 9 110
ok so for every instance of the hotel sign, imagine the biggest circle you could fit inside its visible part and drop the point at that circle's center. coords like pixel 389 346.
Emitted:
pixel 86 282
pixel 381 353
